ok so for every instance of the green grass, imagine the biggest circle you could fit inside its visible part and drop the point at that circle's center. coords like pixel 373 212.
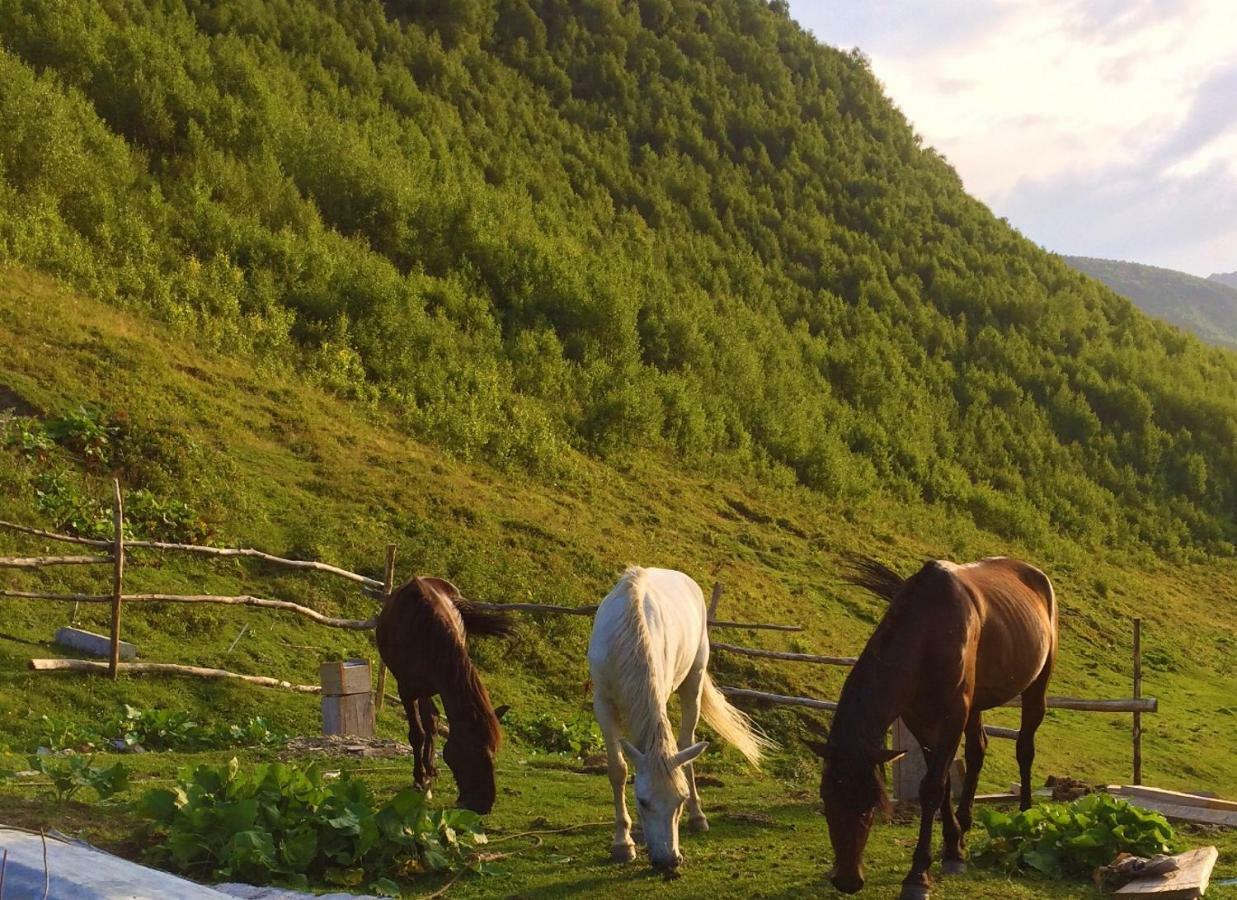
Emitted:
pixel 284 467
pixel 767 838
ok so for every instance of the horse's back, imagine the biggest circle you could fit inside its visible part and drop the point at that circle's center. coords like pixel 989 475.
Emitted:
pixel 671 606
pixel 1018 633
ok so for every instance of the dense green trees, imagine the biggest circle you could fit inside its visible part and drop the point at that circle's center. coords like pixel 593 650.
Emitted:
pixel 533 224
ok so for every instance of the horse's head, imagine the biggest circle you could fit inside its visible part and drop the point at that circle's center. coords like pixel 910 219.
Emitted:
pixel 852 786
pixel 472 764
pixel 661 790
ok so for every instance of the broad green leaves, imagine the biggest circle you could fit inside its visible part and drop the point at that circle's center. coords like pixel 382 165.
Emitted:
pixel 1070 840
pixel 283 823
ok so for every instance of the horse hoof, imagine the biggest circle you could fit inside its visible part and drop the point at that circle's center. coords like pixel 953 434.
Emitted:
pixel 953 866
pixel 914 892
pixel 623 853
pixel 698 825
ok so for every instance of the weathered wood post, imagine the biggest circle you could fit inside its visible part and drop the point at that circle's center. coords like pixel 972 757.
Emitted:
pixel 388 585
pixel 715 599
pixel 1138 692
pixel 347 701
pixel 118 573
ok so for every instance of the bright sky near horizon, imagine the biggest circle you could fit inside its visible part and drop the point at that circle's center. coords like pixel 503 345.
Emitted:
pixel 1097 127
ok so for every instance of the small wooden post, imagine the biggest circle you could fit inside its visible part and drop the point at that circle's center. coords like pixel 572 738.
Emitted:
pixel 714 600
pixel 1138 691
pixel 388 585
pixel 118 572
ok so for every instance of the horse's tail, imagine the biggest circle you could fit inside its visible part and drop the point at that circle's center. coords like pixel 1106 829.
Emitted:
pixel 731 725
pixel 481 621
pixel 878 578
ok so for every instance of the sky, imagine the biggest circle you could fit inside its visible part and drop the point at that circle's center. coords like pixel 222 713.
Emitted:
pixel 1096 127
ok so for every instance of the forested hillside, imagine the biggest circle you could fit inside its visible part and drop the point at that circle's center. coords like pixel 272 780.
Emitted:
pixel 533 226
pixel 1206 307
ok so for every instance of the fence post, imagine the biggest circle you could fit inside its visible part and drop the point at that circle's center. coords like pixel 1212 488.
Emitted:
pixel 1138 690
pixel 388 585
pixel 715 600
pixel 118 572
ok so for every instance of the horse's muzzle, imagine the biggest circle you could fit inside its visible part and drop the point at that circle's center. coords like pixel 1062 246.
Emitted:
pixel 847 885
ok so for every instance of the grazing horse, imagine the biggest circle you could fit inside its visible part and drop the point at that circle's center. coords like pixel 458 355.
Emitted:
pixel 650 639
pixel 421 638
pixel 956 640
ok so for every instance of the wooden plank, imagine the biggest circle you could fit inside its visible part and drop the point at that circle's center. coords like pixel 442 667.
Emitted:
pixel 86 665
pixel 1180 812
pixel 1178 797
pixel 1190 880
pixel 94 644
pixel 36 562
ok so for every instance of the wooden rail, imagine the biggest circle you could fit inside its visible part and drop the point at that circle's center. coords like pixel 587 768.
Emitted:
pixel 36 562
pixel 777 654
pixel 242 600
pixel 145 668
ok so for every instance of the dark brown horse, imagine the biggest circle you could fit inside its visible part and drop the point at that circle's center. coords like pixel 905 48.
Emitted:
pixel 956 640
pixel 421 637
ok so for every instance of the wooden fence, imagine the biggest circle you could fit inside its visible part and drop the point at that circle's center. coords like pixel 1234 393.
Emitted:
pixel 1137 704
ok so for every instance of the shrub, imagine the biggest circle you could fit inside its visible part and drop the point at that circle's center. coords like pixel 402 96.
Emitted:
pixel 287 824
pixel 72 773
pixel 580 736
pixel 1063 840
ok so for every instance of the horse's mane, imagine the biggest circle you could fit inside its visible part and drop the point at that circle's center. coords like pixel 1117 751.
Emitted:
pixel 633 649
pixel 431 629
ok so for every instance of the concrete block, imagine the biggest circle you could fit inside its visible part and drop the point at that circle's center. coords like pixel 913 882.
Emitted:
pixel 92 644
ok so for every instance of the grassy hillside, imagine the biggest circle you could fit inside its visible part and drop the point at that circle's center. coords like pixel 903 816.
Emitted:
pixel 1206 307
pixel 262 459
pixel 533 226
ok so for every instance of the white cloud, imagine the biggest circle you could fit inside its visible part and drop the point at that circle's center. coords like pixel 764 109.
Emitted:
pixel 1105 107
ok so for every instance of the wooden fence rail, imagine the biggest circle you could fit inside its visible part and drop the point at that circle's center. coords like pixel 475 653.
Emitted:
pixel 37 562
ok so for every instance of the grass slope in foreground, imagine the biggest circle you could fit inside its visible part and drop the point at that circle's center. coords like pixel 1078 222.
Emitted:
pixel 286 468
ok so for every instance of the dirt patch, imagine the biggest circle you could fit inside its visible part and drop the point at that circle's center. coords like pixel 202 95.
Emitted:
pixel 11 401
pixel 335 745
pixel 1065 789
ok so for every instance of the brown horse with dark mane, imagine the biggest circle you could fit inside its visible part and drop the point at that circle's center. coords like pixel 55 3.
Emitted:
pixel 956 640
pixel 422 638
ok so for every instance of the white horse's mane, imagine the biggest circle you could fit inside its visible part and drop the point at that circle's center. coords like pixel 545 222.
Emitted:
pixel 645 688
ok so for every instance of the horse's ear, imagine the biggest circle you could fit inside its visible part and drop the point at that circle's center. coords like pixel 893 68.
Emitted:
pixel 501 711
pixel 687 754
pixel 882 756
pixel 820 748
pixel 635 755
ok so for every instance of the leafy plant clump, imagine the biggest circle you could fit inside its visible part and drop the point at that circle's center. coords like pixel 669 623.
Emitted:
pixel 72 773
pixel 286 824
pixel 1065 840
pixel 580 736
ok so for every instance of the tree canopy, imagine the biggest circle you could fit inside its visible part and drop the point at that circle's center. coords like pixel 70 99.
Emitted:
pixel 529 225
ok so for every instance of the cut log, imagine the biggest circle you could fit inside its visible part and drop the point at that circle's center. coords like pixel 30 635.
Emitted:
pixel 1182 799
pixel 351 714
pixel 94 644
pixel 86 665
pixel 1187 882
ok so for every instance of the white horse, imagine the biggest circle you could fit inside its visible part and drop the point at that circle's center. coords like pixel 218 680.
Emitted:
pixel 650 638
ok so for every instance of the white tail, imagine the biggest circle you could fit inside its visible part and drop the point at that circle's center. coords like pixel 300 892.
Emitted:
pixel 732 725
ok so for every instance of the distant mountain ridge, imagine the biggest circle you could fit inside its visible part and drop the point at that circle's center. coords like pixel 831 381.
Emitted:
pixel 1206 307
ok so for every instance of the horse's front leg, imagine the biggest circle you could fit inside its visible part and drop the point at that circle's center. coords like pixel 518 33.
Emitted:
pixel 976 748
pixel 689 700
pixel 623 849
pixel 932 790
pixel 429 728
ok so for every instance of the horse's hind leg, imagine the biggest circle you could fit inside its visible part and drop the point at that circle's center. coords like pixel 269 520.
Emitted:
pixel 689 700
pixel 1034 703
pixel 428 713
pixel 624 848
pixel 416 739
